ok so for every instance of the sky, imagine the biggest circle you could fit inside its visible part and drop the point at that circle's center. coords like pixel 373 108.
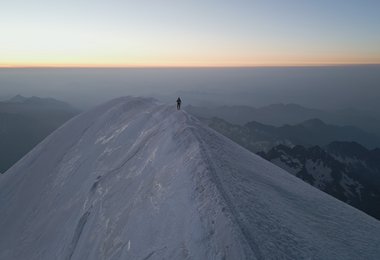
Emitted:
pixel 115 33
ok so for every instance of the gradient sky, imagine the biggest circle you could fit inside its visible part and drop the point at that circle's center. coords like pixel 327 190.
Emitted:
pixel 188 33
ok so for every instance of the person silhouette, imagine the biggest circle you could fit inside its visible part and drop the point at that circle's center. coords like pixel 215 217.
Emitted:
pixel 179 101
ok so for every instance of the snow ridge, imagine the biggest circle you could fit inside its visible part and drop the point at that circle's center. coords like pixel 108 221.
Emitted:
pixel 136 179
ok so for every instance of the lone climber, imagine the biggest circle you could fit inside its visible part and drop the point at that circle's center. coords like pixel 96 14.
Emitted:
pixel 179 101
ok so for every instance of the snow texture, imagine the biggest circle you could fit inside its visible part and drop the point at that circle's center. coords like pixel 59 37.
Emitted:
pixel 135 179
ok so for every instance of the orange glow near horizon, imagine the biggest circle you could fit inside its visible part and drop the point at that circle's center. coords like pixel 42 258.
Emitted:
pixel 192 63
pixel 169 54
pixel 183 65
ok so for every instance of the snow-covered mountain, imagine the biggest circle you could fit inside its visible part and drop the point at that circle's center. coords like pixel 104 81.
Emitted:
pixel 134 179
pixel 345 170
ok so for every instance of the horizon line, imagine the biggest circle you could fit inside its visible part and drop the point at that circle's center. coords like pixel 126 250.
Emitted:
pixel 180 66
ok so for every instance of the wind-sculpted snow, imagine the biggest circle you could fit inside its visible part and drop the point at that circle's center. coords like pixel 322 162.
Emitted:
pixel 134 179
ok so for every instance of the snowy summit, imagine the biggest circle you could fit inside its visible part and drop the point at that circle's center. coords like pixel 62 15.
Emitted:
pixel 136 179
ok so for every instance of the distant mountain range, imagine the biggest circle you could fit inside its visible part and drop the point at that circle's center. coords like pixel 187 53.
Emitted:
pixel 326 156
pixel 25 121
pixel 345 170
pixel 281 114
pixel 260 137
pixel 38 102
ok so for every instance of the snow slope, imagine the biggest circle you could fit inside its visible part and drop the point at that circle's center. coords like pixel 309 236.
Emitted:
pixel 135 179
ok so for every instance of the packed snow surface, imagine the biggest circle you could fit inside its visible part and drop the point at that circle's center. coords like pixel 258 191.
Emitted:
pixel 136 179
